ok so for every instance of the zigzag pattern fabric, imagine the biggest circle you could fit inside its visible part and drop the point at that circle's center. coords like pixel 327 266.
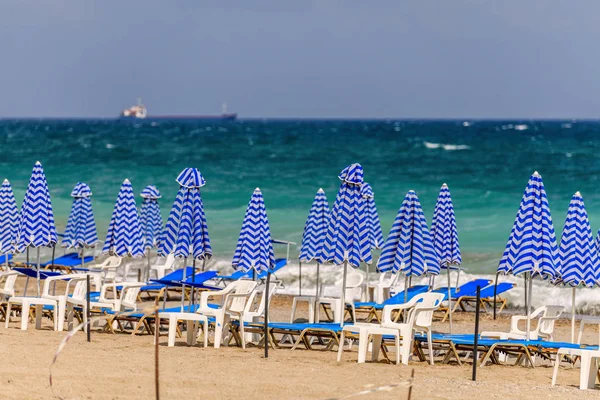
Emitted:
pixel 186 231
pixel 347 236
pixel 124 236
pixel 577 254
pixel 36 226
pixel 532 245
pixel 373 223
pixel 315 229
pixel 150 217
pixel 254 247
pixel 409 246
pixel 443 230
pixel 80 231
pixel 9 219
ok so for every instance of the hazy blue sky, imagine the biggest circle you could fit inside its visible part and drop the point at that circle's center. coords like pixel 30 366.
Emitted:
pixel 274 58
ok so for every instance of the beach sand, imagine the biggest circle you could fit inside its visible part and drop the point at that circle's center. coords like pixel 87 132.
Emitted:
pixel 121 366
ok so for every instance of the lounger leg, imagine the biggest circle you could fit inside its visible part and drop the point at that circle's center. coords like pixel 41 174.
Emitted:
pixel 397 341
pixel 205 332
pixel 62 305
pixel 243 339
pixel 587 374
pixel 405 348
pixel 363 345
pixel 219 326
pixel 172 330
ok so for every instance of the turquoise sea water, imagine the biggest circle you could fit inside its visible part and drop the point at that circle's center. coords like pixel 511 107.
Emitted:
pixel 486 165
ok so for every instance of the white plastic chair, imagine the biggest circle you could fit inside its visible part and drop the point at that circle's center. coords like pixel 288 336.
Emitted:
pixel 107 269
pixel 546 316
pixel 61 299
pixel 381 289
pixel 8 290
pixel 419 318
pixel 160 270
pixel 254 311
pixel 354 283
pixel 77 299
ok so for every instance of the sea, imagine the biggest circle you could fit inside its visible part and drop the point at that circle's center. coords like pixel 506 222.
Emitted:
pixel 486 165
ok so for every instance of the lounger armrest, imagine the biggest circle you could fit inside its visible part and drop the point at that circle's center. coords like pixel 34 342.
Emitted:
pixel 205 296
pixel 48 281
pixel 514 323
pixel 230 297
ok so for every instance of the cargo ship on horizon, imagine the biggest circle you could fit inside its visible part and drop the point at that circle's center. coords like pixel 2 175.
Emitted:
pixel 139 111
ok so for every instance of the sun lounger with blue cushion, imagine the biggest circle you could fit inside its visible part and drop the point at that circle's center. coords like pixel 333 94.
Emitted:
pixel 486 297
pixel 279 263
pixel 69 262
pixel 304 331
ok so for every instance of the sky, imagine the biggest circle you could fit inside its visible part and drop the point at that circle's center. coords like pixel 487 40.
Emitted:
pixel 302 58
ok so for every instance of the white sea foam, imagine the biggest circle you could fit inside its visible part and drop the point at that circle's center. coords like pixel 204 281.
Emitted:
pixel 521 127
pixel 447 147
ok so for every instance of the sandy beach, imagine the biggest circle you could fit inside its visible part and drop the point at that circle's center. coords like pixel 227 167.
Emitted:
pixel 121 366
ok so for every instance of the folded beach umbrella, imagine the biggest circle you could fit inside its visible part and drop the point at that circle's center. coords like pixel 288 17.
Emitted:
pixel 80 232
pixel 36 225
pixel 347 238
pixel 124 236
pixel 531 250
pixel 373 223
pixel 186 231
pixel 445 237
pixel 254 248
pixel 150 217
pixel 9 220
pixel 314 235
pixel 577 254
pixel 409 248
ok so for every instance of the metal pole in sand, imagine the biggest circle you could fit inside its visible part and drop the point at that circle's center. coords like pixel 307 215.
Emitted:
pixel 476 338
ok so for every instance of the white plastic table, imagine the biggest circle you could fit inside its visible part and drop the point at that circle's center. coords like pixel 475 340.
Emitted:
pixel 26 303
pixel 588 366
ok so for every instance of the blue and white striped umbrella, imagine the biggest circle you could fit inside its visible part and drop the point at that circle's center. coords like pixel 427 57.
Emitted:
pixel 577 253
pixel 578 257
pixel 186 231
pixel 150 217
pixel 254 247
pixel 80 231
pixel 443 230
pixel 409 246
pixel 347 236
pixel 315 229
pixel 36 225
pixel 9 219
pixel 531 247
pixel 124 236
pixel 373 223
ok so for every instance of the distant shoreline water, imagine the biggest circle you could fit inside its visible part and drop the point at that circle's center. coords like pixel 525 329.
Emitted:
pixel 485 163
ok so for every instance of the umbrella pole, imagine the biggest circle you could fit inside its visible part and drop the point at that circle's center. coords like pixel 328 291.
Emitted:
pixel 183 284
pixel 573 318
pixel 367 282
pixel 6 260
pixel 26 280
pixel 528 307
pixel 449 301
pixel 343 299
pixel 87 308
pixel 193 281
pixel 406 288
pixel 38 272
pixel 316 310
pixel 266 333
pixel 299 278
pixel 53 252
pixel 495 291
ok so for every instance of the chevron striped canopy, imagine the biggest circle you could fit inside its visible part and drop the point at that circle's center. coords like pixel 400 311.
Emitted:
pixel 124 236
pixel 347 236
pixel 532 245
pixel 315 229
pixel 409 246
pixel 186 231
pixel 9 219
pixel 254 247
pixel 373 223
pixel 150 217
pixel 443 230
pixel 36 225
pixel 81 228
pixel 578 257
